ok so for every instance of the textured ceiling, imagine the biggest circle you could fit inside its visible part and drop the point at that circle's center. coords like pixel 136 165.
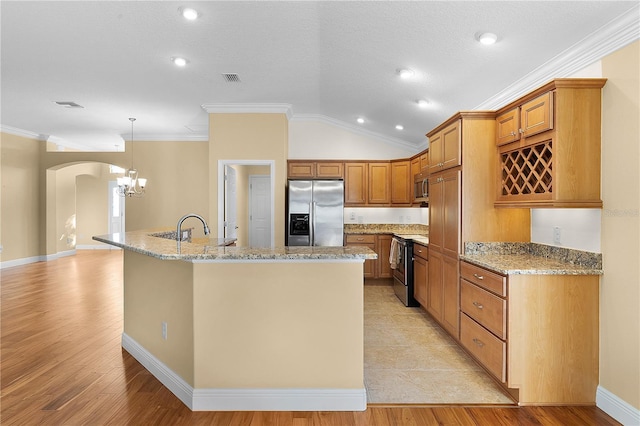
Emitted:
pixel 331 60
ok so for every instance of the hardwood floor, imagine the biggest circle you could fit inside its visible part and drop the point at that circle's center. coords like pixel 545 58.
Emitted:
pixel 62 363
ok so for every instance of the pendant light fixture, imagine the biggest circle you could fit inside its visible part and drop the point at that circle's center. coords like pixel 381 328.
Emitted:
pixel 130 185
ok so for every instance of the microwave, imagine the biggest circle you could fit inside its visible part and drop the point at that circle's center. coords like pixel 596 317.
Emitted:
pixel 421 188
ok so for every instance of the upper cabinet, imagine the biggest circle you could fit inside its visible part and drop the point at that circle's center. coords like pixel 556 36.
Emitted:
pixel 379 177
pixel 304 169
pixel 401 183
pixel 444 148
pixel 531 118
pixel 549 146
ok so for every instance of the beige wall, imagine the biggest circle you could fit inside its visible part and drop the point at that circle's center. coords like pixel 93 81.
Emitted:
pixel 620 285
pixel 92 200
pixel 20 204
pixel 249 137
pixel 177 174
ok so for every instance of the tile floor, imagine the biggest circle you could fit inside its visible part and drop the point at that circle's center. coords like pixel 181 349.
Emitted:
pixel 409 359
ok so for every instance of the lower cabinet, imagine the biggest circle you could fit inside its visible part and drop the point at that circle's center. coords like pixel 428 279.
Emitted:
pixel 364 240
pixel 537 334
pixel 442 291
pixel 381 244
pixel 420 274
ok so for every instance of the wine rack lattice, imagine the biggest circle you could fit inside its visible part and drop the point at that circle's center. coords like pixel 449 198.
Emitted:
pixel 528 170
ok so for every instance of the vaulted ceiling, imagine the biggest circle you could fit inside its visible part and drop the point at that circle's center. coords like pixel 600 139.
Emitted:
pixel 327 60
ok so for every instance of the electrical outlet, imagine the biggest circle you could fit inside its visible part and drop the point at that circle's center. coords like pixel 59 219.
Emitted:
pixel 352 216
pixel 164 330
pixel 408 219
pixel 557 235
pixel 401 219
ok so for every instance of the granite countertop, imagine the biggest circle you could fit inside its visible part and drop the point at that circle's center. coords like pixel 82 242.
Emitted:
pixel 532 259
pixel 206 249
pixel 417 232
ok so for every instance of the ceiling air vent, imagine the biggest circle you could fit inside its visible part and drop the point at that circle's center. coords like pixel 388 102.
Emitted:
pixel 69 104
pixel 231 77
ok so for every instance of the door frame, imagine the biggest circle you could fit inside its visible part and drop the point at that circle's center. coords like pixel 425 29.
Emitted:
pixel 221 167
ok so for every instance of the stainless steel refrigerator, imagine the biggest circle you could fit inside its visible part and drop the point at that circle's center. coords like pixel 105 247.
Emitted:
pixel 315 214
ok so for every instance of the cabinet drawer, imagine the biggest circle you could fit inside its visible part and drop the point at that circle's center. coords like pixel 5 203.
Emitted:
pixel 484 278
pixel 486 347
pixel 420 251
pixel 486 308
pixel 360 239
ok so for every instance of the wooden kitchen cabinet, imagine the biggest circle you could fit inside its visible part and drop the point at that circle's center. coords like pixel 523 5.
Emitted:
pixel 553 160
pixel 461 209
pixel 364 240
pixel 445 148
pixel 531 118
pixel 401 183
pixel 505 325
pixel 379 183
pixel 444 212
pixel 304 169
pixel 356 179
pixel 381 244
pixel 420 273
pixel 424 162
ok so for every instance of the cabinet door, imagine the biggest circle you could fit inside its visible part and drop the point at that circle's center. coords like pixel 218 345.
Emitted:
pixel 434 284
pixel 436 153
pixel 508 127
pixel 451 146
pixel 450 213
pixel 450 302
pixel 329 170
pixel 420 277
pixel 361 240
pixel 383 243
pixel 536 116
pixel 401 183
pixel 424 162
pixel 304 170
pixel 436 213
pixel 379 183
pixel 355 183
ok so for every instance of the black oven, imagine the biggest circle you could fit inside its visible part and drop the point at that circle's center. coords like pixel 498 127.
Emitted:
pixel 403 272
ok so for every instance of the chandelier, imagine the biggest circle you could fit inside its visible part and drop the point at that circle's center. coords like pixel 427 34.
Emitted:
pixel 130 185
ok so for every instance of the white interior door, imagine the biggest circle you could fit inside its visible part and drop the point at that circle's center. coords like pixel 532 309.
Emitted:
pixel 259 211
pixel 230 203
pixel 116 209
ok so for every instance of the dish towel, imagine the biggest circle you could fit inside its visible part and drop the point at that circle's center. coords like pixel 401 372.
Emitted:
pixel 394 253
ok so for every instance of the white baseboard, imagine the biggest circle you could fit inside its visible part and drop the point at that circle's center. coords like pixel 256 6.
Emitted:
pixel 620 410
pixel 20 262
pixel 60 254
pixel 247 399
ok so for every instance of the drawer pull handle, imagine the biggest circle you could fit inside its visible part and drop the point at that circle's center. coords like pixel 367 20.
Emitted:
pixel 478 305
pixel 478 342
pixel 480 277
pixel 360 239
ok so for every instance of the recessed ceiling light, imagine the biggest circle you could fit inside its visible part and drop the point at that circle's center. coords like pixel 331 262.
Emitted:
pixel 399 127
pixel 360 120
pixel 487 38
pixel 422 103
pixel 405 73
pixel 189 13
pixel 181 62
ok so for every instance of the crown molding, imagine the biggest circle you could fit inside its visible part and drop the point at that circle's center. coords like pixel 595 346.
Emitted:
pixel 356 129
pixel 23 133
pixel 263 108
pixel 613 36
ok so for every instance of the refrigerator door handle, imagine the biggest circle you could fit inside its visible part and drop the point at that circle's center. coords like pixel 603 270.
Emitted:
pixel 312 219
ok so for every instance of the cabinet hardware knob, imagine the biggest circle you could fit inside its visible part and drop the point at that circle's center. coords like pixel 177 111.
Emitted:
pixel 478 342
pixel 478 305
pixel 521 131
pixel 480 277
pixel 513 133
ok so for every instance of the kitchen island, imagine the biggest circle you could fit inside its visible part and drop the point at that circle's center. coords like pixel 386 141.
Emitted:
pixel 237 328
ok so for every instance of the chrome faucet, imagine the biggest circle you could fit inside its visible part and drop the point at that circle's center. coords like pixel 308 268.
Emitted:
pixel 182 219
